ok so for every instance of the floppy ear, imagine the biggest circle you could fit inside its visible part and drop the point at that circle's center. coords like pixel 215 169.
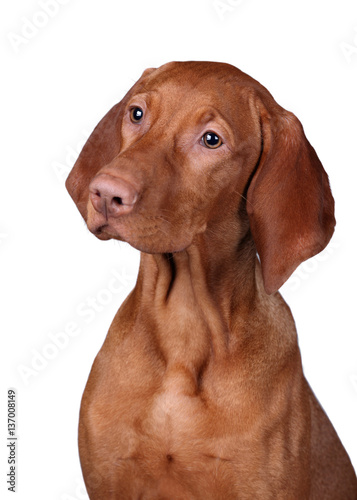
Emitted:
pixel 290 205
pixel 101 147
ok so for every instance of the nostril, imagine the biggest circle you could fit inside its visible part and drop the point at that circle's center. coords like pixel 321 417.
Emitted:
pixel 117 200
pixel 97 200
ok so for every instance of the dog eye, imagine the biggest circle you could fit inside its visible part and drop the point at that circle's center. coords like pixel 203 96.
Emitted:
pixel 136 114
pixel 211 140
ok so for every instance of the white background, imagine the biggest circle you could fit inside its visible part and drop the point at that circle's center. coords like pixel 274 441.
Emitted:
pixel 57 83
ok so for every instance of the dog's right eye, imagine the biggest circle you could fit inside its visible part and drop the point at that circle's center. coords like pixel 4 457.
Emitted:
pixel 211 140
pixel 136 114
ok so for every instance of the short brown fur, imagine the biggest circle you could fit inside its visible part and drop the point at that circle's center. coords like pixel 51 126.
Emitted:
pixel 198 391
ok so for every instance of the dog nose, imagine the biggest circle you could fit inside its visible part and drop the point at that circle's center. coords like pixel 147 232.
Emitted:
pixel 112 196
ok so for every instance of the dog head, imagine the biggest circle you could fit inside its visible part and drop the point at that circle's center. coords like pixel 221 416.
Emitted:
pixel 196 147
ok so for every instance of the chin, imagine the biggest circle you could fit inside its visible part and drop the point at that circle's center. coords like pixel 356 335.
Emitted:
pixel 155 246
pixel 152 244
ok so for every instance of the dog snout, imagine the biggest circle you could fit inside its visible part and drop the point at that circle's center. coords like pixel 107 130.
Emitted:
pixel 112 196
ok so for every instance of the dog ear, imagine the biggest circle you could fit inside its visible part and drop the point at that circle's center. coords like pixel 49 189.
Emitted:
pixel 101 148
pixel 289 202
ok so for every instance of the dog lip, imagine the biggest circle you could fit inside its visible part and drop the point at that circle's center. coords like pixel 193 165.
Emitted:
pixel 99 232
pixel 98 229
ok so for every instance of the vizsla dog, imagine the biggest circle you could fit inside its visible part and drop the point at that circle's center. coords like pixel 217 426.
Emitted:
pixel 198 391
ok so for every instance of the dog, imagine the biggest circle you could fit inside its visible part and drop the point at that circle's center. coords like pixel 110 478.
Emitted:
pixel 198 391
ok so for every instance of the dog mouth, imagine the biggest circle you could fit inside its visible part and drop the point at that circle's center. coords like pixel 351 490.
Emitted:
pixel 101 232
pixel 149 234
pixel 145 231
pixel 131 229
pixel 104 229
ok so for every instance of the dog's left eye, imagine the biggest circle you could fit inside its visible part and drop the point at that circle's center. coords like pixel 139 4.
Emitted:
pixel 136 114
pixel 211 140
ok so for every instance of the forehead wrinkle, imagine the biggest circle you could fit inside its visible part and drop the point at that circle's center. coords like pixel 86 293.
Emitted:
pixel 146 96
pixel 206 116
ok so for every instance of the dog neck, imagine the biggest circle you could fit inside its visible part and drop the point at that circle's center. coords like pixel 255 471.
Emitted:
pixel 192 302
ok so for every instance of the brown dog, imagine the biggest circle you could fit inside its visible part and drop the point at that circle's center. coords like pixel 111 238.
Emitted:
pixel 198 391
